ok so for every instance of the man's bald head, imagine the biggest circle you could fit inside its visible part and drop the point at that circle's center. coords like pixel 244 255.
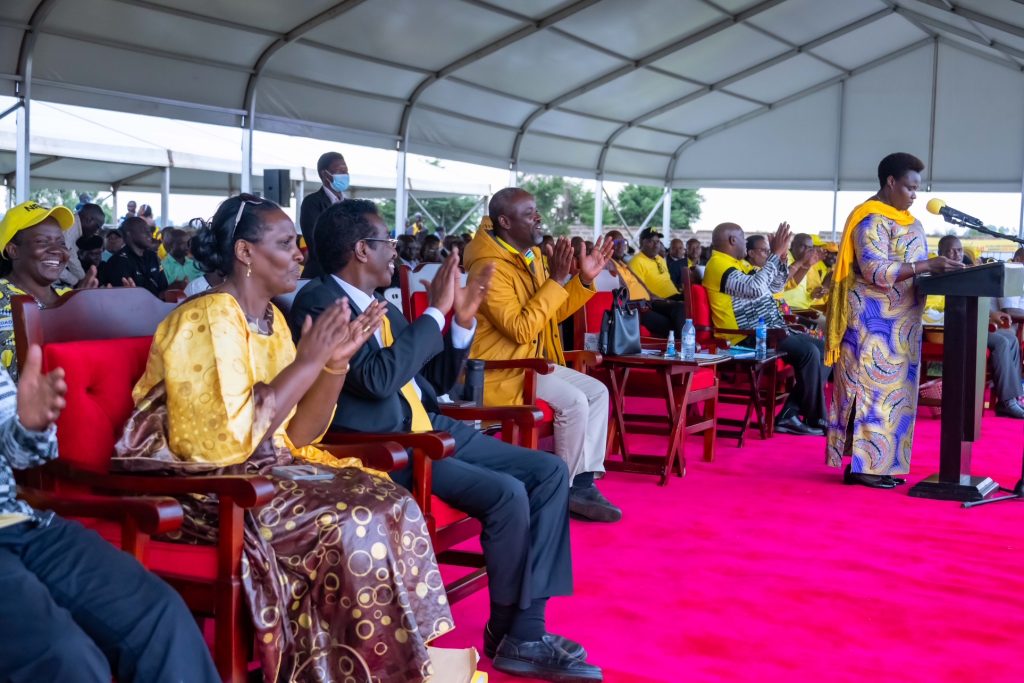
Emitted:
pixel 728 238
pixel 502 201
pixel 1018 256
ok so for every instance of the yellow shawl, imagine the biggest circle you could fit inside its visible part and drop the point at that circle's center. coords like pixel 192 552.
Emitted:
pixel 838 307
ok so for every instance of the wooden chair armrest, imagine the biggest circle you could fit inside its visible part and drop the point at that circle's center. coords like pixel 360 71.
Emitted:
pixel 151 515
pixel 579 360
pixel 384 456
pixel 435 445
pixel 524 416
pixel 245 491
pixel 538 365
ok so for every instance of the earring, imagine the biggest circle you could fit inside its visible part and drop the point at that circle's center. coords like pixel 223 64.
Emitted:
pixel 248 269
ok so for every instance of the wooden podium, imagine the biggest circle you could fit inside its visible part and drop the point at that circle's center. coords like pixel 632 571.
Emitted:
pixel 963 373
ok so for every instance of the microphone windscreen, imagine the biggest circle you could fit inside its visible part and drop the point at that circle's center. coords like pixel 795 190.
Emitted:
pixel 935 206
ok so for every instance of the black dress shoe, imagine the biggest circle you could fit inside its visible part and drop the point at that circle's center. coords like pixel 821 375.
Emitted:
pixel 794 425
pixel 875 481
pixel 568 646
pixel 590 504
pixel 896 481
pixel 1010 408
pixel 542 659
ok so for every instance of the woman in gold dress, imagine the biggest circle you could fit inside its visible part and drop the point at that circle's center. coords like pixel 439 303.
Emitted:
pixel 339 574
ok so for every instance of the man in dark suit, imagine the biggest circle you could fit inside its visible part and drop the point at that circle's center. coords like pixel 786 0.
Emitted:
pixel 333 172
pixel 519 495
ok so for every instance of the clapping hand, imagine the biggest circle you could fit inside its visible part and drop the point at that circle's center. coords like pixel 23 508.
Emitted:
pixel 780 241
pixel 469 298
pixel 89 280
pixel 591 264
pixel 561 260
pixel 355 334
pixel 441 290
pixel 40 397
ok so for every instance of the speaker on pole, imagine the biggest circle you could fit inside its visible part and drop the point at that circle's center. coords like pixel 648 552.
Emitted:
pixel 277 186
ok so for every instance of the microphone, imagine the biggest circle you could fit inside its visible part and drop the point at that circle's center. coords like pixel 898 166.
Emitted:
pixel 939 208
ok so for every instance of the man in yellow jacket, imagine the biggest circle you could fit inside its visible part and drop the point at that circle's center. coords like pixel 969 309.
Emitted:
pixel 529 296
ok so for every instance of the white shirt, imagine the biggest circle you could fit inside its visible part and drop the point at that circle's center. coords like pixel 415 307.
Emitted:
pixel 196 286
pixel 332 194
pixel 461 336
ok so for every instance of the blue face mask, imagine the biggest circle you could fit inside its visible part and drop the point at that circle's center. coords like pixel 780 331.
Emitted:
pixel 339 182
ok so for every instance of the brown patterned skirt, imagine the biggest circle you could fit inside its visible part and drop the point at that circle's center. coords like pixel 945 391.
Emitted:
pixel 339 575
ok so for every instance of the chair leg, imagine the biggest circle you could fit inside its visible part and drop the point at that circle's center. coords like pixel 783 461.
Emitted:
pixel 711 433
pixel 231 624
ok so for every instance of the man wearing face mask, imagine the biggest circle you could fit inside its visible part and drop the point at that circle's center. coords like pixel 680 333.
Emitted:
pixel 333 173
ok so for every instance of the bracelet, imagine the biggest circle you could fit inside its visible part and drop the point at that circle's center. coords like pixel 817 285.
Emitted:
pixel 331 371
pixel 913 266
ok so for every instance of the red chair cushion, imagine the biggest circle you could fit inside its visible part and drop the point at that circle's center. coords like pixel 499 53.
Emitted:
pixel 445 514
pixel 700 311
pixel 198 562
pixel 100 376
pixel 703 379
pixel 545 407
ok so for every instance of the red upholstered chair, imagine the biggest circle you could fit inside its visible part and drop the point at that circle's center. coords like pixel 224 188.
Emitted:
pixel 101 338
pixel 735 385
pixel 131 520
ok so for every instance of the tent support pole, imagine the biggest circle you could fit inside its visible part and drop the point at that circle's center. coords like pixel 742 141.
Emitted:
pixel 598 209
pixel 401 196
pixel 300 194
pixel 666 212
pixel 165 198
pixel 839 152
pixel 247 135
pixel 657 205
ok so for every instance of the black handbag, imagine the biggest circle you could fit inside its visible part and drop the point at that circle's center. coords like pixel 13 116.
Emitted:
pixel 620 327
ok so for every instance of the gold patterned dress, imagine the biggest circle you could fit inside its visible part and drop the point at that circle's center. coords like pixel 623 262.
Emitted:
pixel 874 398
pixel 339 575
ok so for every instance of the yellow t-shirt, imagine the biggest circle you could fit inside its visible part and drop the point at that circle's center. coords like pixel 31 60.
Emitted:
pixel 815 277
pixel 798 295
pixel 636 289
pixel 654 273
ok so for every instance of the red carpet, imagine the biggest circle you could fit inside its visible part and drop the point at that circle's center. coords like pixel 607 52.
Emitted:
pixel 762 566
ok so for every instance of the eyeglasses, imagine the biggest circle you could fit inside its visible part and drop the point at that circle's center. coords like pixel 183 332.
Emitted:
pixel 246 199
pixel 392 242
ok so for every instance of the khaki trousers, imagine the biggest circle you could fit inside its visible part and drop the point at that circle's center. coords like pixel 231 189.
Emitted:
pixel 580 404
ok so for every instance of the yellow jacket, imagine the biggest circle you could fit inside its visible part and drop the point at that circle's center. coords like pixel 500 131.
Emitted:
pixel 519 318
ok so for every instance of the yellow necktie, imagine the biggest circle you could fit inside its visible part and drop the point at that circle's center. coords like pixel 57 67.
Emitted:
pixel 420 419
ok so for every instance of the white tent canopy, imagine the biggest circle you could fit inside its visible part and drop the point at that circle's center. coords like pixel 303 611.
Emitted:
pixel 714 93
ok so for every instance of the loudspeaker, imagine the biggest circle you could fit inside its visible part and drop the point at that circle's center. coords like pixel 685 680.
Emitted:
pixel 277 186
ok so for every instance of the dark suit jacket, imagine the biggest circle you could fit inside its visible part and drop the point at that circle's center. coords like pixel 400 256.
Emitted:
pixel 312 206
pixel 371 400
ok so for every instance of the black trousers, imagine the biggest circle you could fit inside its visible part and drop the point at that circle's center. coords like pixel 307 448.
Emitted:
pixel 75 608
pixel 664 316
pixel 1005 361
pixel 806 355
pixel 522 499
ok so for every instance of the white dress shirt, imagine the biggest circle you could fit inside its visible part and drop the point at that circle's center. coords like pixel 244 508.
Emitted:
pixel 461 336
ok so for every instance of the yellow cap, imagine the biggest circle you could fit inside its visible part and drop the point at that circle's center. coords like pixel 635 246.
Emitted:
pixel 29 214
pixel 816 240
pixel 832 247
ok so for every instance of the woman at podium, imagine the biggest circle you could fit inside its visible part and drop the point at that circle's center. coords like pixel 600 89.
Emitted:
pixel 874 329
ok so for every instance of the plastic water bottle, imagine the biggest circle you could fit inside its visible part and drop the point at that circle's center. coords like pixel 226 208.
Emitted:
pixel 670 347
pixel 689 340
pixel 761 339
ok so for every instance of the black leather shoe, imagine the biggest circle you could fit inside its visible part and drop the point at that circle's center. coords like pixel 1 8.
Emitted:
pixel 541 659
pixel 566 645
pixel 793 425
pixel 1010 409
pixel 875 481
pixel 590 504
pixel 896 481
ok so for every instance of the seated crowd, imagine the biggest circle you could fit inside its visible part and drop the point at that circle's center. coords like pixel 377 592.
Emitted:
pixel 233 385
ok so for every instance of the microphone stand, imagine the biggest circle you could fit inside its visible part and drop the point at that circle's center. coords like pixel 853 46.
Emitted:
pixel 962 223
